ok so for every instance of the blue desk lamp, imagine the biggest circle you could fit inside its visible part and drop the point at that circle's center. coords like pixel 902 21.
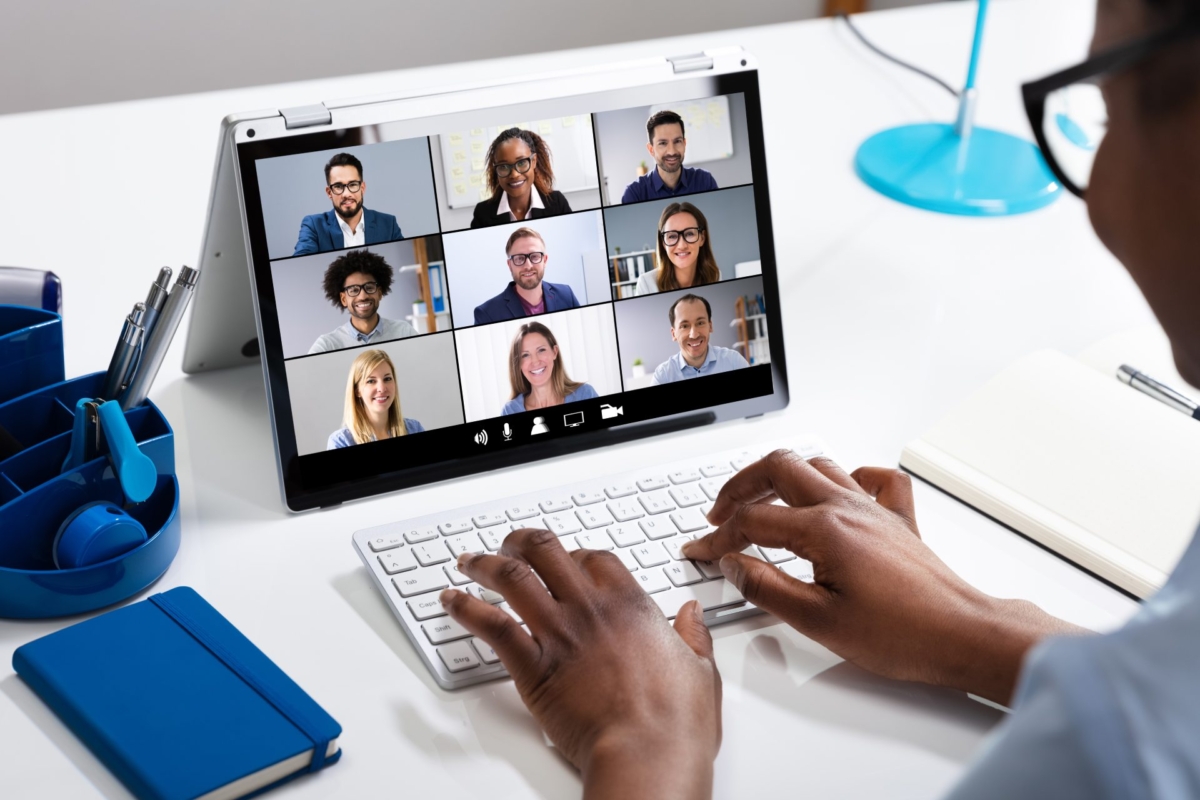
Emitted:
pixel 958 169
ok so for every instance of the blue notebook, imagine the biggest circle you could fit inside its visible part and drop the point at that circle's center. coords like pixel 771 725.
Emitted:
pixel 177 702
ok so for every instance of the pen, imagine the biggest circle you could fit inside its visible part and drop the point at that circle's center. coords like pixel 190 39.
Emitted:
pixel 155 301
pixel 1160 392
pixel 125 356
pixel 159 339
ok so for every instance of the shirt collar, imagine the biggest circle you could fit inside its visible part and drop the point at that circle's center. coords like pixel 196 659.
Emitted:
pixel 346 227
pixel 657 182
pixel 535 201
pixel 710 358
pixel 355 333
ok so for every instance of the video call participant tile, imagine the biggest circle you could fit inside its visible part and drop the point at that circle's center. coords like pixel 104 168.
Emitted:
pixel 401 388
pixel 351 196
pixel 524 269
pixel 679 244
pixel 363 296
pixel 547 361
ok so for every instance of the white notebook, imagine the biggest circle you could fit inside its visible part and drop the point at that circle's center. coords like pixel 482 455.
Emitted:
pixel 1061 451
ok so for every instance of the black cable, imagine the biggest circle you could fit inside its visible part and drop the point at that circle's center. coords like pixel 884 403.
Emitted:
pixel 846 18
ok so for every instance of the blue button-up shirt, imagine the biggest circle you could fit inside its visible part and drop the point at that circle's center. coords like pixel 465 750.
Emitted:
pixel 719 359
pixel 651 187
pixel 344 438
pixel 347 335
pixel 584 392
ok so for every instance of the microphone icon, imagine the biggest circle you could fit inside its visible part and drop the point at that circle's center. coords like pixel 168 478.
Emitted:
pixel 507 432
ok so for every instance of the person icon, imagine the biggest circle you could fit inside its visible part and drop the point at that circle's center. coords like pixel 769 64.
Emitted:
pixel 539 426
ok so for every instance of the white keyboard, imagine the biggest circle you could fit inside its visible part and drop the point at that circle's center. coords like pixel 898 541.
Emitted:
pixel 643 516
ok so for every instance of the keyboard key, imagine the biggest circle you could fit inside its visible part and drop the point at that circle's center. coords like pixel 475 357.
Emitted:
pixel 685 496
pixel 521 512
pixel 587 498
pixel 419 582
pixel 742 461
pixel 777 555
pixel 626 510
pixel 487 520
pixel 627 559
pixel 689 520
pixel 492 539
pixel 444 630
pixel 714 469
pixel 709 569
pixel 426 607
pixel 622 489
pixel 682 573
pixel 455 526
pixel 484 594
pixel 800 569
pixel 652 580
pixel 712 487
pixel 418 535
pixel 486 654
pixel 527 523
pixel 650 554
pixel 594 541
pixel 512 612
pixel 554 506
pixel 649 484
pixel 569 543
pixel 458 656
pixel 684 476
pixel 657 528
pixel 711 594
pixel 594 517
pixel 464 543
pixel 397 561
pixel 673 546
pixel 626 535
pixel 456 577
pixel 562 524
pixel 431 553
pixel 380 543
pixel 657 502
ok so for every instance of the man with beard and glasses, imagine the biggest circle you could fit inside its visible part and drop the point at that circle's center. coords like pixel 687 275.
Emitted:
pixel 670 178
pixel 527 294
pixel 348 223
pixel 356 282
pixel 691 326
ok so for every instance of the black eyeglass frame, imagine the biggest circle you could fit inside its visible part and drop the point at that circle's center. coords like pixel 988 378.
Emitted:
pixel 354 289
pixel 682 235
pixel 527 257
pixel 1092 71
pixel 333 187
pixel 508 169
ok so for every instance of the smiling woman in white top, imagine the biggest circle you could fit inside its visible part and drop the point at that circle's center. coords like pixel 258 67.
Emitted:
pixel 683 254
pixel 537 374
pixel 372 410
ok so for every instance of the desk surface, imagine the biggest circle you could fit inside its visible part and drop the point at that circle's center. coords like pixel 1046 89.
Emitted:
pixel 900 313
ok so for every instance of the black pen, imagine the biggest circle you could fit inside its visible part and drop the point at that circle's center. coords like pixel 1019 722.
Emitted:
pixel 1160 392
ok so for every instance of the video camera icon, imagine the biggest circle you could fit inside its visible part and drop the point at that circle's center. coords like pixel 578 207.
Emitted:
pixel 608 412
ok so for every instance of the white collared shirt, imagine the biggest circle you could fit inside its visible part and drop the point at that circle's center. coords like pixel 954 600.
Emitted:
pixel 535 201
pixel 349 237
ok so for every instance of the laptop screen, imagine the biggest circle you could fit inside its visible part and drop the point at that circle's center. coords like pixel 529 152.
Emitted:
pixel 444 294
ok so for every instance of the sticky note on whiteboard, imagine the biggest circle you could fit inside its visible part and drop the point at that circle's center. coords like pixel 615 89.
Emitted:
pixel 458 172
pixel 544 128
pixel 476 147
pixel 568 122
pixel 459 155
pixel 460 188
pixel 476 179
pixel 477 131
pixel 455 139
pixel 477 164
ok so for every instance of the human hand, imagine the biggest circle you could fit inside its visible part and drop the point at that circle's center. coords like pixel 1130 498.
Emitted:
pixel 635 705
pixel 879 597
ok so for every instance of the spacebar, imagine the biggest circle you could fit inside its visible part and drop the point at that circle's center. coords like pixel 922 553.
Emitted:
pixel 711 594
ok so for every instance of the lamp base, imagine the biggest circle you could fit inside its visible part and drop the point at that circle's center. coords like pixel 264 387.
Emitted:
pixel 929 166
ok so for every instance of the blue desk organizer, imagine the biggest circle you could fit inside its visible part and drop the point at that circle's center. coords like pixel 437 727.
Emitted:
pixel 36 497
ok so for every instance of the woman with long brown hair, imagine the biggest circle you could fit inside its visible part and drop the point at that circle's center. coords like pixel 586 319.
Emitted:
pixel 537 374
pixel 683 255
pixel 520 177
pixel 372 411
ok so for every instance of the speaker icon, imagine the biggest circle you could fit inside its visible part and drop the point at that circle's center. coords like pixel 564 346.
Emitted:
pixel 481 437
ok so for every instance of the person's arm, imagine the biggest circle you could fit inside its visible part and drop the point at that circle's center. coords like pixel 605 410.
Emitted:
pixel 880 597
pixel 306 243
pixel 631 193
pixel 632 701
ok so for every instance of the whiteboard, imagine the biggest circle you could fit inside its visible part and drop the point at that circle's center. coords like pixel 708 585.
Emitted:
pixel 572 150
pixel 705 126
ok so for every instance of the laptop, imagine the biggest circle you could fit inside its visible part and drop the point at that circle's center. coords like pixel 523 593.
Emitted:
pixel 452 282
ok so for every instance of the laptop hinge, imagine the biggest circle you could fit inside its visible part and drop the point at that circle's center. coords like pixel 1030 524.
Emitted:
pixel 306 116
pixel 691 63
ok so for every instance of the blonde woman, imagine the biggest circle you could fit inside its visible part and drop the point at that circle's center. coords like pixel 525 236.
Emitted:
pixel 537 374
pixel 683 253
pixel 372 403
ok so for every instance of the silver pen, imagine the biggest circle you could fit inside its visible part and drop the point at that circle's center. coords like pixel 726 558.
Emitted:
pixel 125 356
pixel 159 339
pixel 1160 392
pixel 155 301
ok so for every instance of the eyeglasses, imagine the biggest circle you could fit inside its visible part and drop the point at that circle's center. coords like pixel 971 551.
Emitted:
pixel 353 186
pixel 519 259
pixel 522 166
pixel 371 287
pixel 689 235
pixel 1068 112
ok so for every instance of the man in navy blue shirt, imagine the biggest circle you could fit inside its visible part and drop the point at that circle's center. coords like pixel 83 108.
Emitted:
pixel 670 178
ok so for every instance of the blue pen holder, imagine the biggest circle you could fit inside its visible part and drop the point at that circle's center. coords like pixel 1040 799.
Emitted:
pixel 31 350
pixel 36 498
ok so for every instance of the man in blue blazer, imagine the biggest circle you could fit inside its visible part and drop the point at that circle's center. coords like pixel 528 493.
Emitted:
pixel 527 294
pixel 347 224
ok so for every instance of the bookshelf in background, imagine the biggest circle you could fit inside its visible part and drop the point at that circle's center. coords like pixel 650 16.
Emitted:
pixel 750 320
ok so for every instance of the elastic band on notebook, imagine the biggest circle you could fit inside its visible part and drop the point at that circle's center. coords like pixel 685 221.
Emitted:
pixel 293 714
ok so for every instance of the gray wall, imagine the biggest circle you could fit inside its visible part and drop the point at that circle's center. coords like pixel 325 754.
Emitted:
pixel 398 181
pixel 428 381
pixel 304 311
pixel 732 222
pixel 621 139
pixel 643 330
pixel 478 271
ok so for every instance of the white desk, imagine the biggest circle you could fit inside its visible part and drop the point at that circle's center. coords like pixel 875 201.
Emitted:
pixel 893 316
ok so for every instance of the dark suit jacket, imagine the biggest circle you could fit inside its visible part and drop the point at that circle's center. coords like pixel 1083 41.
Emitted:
pixel 485 212
pixel 321 232
pixel 507 304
